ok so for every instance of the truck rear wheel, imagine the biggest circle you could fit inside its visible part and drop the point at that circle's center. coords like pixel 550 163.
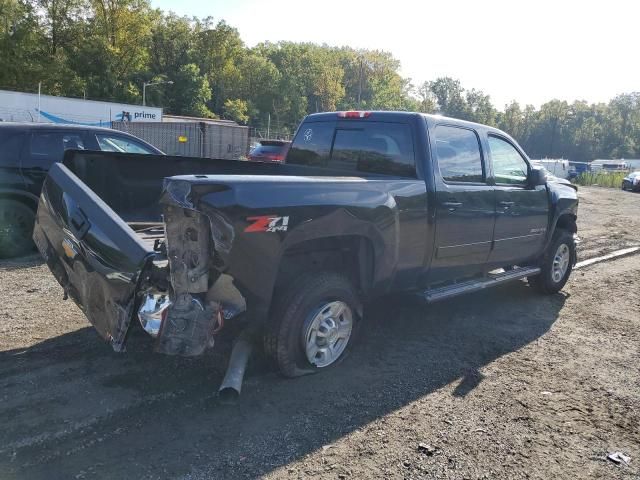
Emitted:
pixel 556 264
pixel 16 228
pixel 313 325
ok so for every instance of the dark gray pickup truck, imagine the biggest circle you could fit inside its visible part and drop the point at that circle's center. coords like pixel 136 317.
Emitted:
pixel 367 203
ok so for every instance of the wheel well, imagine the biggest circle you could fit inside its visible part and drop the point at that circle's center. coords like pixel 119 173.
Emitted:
pixel 567 222
pixel 349 255
pixel 28 201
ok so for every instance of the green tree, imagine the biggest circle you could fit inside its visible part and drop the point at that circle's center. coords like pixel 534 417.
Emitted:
pixel 449 96
pixel 479 107
pixel 258 83
pixel 192 92
pixel 427 102
pixel 217 50
pixel 114 53
pixel 22 44
pixel 236 110
pixel 107 49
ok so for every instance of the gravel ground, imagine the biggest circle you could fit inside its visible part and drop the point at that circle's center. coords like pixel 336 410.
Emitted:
pixel 499 384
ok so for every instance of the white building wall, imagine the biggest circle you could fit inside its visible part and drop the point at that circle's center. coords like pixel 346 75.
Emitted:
pixel 27 107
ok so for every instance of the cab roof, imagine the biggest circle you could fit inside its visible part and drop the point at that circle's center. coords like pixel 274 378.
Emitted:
pixel 400 116
pixel 49 126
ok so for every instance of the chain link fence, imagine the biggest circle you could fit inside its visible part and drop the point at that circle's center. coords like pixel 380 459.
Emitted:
pixel 256 134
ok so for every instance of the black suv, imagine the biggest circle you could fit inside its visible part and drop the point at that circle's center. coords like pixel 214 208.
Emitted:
pixel 27 151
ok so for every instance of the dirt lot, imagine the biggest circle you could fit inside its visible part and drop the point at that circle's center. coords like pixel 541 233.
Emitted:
pixel 500 384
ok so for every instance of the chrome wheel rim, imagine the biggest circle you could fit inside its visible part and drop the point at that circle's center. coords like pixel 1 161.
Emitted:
pixel 560 263
pixel 328 333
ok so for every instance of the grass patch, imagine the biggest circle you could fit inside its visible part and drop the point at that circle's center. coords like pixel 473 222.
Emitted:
pixel 602 179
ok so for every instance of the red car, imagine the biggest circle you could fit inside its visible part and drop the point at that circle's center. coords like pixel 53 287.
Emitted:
pixel 270 151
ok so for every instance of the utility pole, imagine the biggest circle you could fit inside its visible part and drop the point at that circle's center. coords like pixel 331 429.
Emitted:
pixel 39 91
pixel 149 84
pixel 360 83
pixel 268 124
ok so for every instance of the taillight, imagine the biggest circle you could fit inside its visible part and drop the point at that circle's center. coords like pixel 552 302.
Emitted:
pixel 353 114
pixel 153 312
pixel 275 158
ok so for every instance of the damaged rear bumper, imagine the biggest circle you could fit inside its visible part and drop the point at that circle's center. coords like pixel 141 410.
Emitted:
pixel 188 298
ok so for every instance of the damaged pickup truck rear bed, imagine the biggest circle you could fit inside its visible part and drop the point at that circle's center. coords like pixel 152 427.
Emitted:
pixel 367 203
pixel 117 250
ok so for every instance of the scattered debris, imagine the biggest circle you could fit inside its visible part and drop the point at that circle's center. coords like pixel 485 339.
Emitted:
pixel 426 448
pixel 619 457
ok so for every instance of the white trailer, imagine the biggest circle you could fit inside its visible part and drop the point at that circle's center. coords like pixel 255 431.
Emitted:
pixel 609 165
pixel 559 167
pixel 31 107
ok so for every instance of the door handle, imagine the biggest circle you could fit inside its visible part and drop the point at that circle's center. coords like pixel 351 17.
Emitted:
pixel 79 224
pixel 507 204
pixel 452 205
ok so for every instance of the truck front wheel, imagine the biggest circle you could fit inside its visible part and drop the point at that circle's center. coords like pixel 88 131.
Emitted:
pixel 313 325
pixel 16 228
pixel 556 264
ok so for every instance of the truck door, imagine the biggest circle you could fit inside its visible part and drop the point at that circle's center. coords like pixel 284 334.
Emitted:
pixel 44 148
pixel 465 205
pixel 522 211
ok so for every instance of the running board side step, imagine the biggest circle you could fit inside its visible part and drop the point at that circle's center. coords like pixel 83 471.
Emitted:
pixel 491 280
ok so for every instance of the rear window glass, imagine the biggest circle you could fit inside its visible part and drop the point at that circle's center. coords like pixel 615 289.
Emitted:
pixel 458 154
pixel 268 149
pixel 312 144
pixel 365 147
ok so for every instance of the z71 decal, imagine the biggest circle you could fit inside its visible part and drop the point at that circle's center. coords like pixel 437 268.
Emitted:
pixel 267 223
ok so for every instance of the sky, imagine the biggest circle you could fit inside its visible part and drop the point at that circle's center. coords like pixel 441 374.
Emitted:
pixel 524 50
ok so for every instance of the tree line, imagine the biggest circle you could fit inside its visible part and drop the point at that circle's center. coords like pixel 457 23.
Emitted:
pixel 107 49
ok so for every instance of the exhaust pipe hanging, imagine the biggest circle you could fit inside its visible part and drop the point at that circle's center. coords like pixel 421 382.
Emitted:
pixel 231 386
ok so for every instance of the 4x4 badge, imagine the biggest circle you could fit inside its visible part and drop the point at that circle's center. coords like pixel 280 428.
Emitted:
pixel 267 223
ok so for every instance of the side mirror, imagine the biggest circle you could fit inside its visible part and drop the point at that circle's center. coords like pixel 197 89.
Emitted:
pixel 537 176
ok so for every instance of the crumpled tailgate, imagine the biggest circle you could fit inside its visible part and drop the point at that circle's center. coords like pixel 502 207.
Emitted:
pixel 96 257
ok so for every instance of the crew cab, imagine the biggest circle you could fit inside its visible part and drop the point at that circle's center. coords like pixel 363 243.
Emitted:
pixel 366 204
pixel 27 151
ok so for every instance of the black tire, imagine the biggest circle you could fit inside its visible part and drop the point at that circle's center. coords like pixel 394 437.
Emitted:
pixel 545 282
pixel 294 310
pixel 16 228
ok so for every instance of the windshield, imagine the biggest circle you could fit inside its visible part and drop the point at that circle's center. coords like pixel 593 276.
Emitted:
pixel 110 143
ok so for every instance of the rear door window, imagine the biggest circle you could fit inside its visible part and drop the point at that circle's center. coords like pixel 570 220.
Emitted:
pixel 384 148
pixel 48 147
pixel 459 157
